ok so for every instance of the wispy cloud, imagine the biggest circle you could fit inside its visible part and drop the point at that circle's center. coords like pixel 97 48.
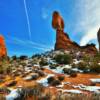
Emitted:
pixel 28 44
pixel 40 45
pixel 91 35
pixel 88 19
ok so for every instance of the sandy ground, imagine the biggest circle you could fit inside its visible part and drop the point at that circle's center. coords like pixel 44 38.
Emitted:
pixel 79 79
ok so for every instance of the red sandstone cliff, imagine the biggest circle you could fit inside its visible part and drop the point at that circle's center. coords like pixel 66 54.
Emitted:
pixel 3 52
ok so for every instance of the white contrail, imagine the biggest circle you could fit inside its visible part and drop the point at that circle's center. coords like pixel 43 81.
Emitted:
pixel 40 45
pixel 28 22
pixel 27 44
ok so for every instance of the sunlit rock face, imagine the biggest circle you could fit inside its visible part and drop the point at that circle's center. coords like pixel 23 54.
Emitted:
pixel 63 42
pixel 98 36
pixel 57 21
pixel 3 52
pixel 62 39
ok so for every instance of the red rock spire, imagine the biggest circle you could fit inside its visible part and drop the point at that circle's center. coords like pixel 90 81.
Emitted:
pixel 3 52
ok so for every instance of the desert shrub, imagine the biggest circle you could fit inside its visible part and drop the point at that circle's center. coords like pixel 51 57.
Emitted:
pixel 4 90
pixel 1 70
pixel 41 73
pixel 55 82
pixel 42 68
pixel 30 91
pixel 2 97
pixel 86 58
pixel 95 67
pixel 14 57
pixel 66 70
pixel 23 57
pixel 43 62
pixel 44 97
pixel 73 74
pixel 74 65
pixel 52 67
pixel 70 72
pixel 61 78
pixel 97 57
pixel 36 56
pixel 82 66
pixel 50 79
pixel 5 68
pixel 74 96
pixel 63 59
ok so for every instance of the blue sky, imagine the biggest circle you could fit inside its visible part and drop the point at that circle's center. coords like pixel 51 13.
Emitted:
pixel 26 24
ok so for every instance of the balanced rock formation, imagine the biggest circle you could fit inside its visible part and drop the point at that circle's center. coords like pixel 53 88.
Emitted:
pixel 57 21
pixel 3 51
pixel 63 42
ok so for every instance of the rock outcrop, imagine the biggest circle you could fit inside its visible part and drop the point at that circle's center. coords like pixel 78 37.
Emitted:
pixel 63 42
pixel 3 51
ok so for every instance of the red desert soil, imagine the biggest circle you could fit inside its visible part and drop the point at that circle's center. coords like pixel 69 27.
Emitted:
pixel 80 79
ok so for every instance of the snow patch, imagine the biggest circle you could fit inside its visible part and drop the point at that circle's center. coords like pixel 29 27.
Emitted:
pixel 88 88
pixel 44 81
pixel 70 91
pixel 13 95
pixel 97 80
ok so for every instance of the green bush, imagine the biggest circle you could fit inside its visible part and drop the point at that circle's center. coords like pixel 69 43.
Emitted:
pixel 82 66
pixel 66 70
pixel 74 65
pixel 95 67
pixel 43 62
pixel 50 79
pixel 5 68
pixel 63 59
pixel 55 82
pixel 97 58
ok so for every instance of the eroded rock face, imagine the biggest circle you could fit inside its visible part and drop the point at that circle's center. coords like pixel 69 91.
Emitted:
pixel 63 41
pixel 3 52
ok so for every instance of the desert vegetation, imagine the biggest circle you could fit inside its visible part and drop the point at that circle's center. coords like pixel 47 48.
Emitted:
pixel 63 58
pixel 54 71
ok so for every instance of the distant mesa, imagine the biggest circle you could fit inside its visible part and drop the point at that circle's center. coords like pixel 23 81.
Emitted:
pixel 3 51
pixel 63 42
